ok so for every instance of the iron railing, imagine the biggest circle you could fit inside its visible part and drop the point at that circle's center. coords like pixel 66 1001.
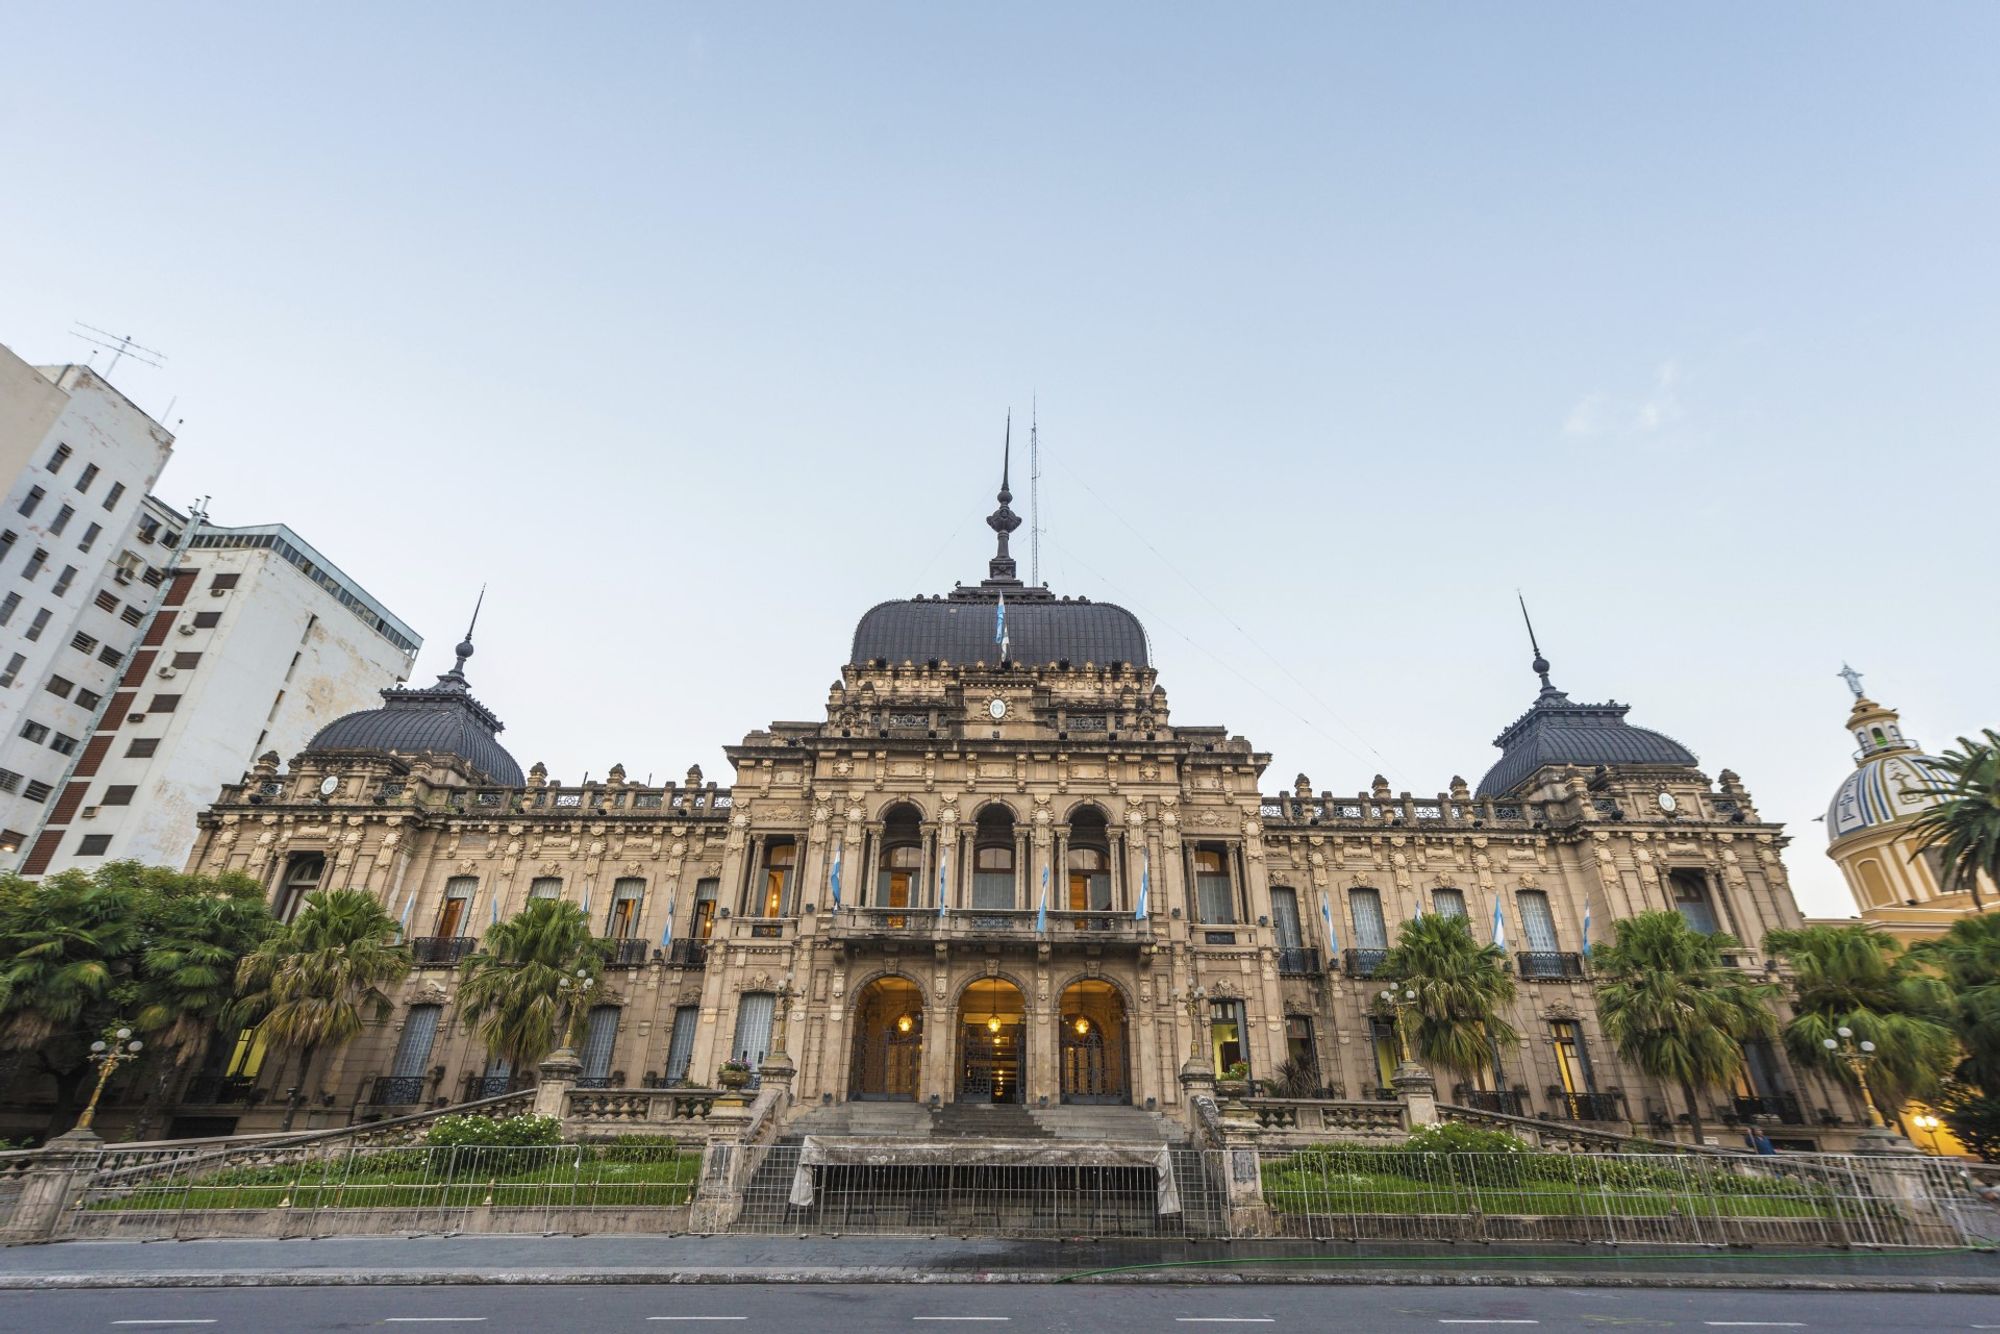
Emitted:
pixel 1295 961
pixel 218 1090
pixel 628 953
pixel 1550 965
pixel 687 953
pixel 1094 926
pixel 1591 1106
pixel 1507 1102
pixel 1362 963
pixel 1784 1106
pixel 397 1090
pixel 440 951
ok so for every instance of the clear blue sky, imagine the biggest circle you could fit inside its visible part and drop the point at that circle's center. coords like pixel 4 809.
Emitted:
pixel 690 330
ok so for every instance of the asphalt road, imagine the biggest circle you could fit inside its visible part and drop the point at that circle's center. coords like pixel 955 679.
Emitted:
pixel 930 1309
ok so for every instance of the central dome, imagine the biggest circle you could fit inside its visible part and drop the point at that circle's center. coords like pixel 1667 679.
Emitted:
pixel 960 629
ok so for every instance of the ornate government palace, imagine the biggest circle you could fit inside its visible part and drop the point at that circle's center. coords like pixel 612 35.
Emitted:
pixel 999 870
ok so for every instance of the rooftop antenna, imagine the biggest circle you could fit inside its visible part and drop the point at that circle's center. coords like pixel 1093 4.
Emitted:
pixel 1034 494
pixel 119 345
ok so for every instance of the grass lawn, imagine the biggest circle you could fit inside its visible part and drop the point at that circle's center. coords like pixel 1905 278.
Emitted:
pixel 561 1177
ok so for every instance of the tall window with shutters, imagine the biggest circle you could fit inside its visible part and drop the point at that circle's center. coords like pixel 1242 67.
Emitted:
pixel 1364 906
pixel 600 1036
pixel 545 887
pixel 457 904
pixel 704 909
pixel 680 1047
pixel 1448 902
pixel 774 891
pixel 1285 917
pixel 1215 896
pixel 993 869
pixel 302 876
pixel 626 897
pixel 1538 923
pixel 752 1042
pixel 1692 899
pixel 413 1048
pixel 1572 1057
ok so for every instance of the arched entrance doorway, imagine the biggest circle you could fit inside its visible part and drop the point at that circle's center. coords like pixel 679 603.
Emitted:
pixel 992 1041
pixel 887 1060
pixel 1095 1064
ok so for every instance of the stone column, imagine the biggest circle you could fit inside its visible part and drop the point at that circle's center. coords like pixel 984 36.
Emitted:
pixel 1417 1091
pixel 559 1074
pixel 49 1186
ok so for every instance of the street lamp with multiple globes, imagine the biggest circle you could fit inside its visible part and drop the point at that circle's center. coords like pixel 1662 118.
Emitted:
pixel 114 1049
pixel 572 994
pixel 1858 1057
pixel 1399 1003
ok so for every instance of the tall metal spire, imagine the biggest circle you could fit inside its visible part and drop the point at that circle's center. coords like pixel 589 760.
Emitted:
pixel 464 650
pixel 1003 520
pixel 1540 666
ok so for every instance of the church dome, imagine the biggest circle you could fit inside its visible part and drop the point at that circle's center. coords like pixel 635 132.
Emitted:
pixel 444 720
pixel 1893 780
pixel 1555 732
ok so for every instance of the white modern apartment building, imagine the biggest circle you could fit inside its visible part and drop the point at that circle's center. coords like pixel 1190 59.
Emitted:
pixel 258 642
pixel 76 461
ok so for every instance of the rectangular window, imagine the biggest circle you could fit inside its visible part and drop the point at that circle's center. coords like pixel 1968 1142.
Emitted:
pixel 110 656
pixel 11 839
pixel 118 794
pixel 207 620
pixel 8 538
pixel 452 912
pixel 680 1047
pixel 89 475
pixel 778 864
pixel 302 877
pixel 224 581
pixel 63 579
pixel 14 665
pixel 63 745
pixel 164 704
pixel 413 1047
pixel 1227 1034
pixel 60 686
pixel 1365 907
pixel 35 564
pixel 111 496
pixel 600 1037
pixel 39 624
pixel 1214 895
pixel 993 877
pixel 93 845
pixel 1285 917
pixel 89 540
pixel 30 501
pixel 626 895
pixel 7 606
pixel 1538 924
pixel 60 457
pixel 131 616
pixel 82 642
pixel 1691 900
pixel 184 661
pixel 752 1042
pixel 1448 902
pixel 704 908
pixel 61 521
pixel 1301 1048
pixel 37 791
pixel 34 731
pixel 545 887
pixel 1572 1059
pixel 88 699
pixel 149 528
pixel 10 782
pixel 142 747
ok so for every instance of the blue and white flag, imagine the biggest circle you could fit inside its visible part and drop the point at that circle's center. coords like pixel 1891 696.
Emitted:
pixel 1042 913
pixel 1000 627
pixel 1145 884
pixel 1326 917
pixel 586 903
pixel 1586 928
pixel 1499 924
pixel 493 918
pixel 667 931
pixel 944 880
pixel 408 904
pixel 834 875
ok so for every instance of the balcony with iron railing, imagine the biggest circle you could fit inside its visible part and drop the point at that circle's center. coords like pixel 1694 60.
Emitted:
pixel 440 951
pixel 1298 961
pixel 1362 963
pixel 1784 1106
pixel 687 953
pixel 628 952
pixel 397 1090
pixel 1592 1106
pixel 1507 1102
pixel 219 1090
pixel 1550 966
pixel 1065 926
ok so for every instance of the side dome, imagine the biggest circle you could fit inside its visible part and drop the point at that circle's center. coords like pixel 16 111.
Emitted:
pixel 1556 732
pixel 444 720
pixel 1885 790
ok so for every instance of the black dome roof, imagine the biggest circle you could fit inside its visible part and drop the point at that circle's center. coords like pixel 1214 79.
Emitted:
pixel 443 720
pixel 1040 629
pixel 1556 732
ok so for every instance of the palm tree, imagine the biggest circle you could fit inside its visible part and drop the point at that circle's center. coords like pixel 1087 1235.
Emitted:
pixel 512 987
pixel 313 983
pixel 1861 979
pixel 1459 985
pixel 1966 822
pixel 1674 1009
pixel 1968 957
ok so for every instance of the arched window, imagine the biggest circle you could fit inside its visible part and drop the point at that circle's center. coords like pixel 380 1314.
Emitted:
pixel 1875 885
pixel 302 877
pixel 993 882
pixel 896 884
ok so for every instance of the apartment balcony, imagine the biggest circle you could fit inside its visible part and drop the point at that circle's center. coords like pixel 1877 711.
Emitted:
pixel 1586 1106
pixel 1550 966
pixel 628 953
pixel 1300 962
pixel 1107 927
pixel 685 953
pixel 1362 963
pixel 440 951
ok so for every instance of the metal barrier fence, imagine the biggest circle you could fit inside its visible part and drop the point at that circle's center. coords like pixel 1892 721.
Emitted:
pixel 358 1189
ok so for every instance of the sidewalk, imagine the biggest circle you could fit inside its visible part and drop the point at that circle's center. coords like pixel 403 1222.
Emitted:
pixel 687 1259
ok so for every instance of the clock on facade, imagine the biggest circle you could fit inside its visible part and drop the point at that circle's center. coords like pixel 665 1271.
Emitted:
pixel 329 785
pixel 996 708
pixel 1667 802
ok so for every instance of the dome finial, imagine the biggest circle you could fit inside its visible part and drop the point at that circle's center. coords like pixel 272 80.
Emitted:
pixel 1852 677
pixel 1540 666
pixel 1003 520
pixel 456 676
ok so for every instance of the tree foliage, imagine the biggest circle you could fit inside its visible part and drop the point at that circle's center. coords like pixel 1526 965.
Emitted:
pixel 1965 825
pixel 1455 1021
pixel 511 988
pixel 1674 1009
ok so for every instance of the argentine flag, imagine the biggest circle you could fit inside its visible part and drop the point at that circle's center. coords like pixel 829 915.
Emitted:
pixel 833 877
pixel 1042 913
pixel 667 931
pixel 1499 924
pixel 493 918
pixel 1145 884
pixel 1586 928
pixel 408 904
pixel 1326 916
pixel 944 879
pixel 1000 627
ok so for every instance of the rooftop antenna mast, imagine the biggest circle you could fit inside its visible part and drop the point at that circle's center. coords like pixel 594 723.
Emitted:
pixel 119 345
pixel 1034 495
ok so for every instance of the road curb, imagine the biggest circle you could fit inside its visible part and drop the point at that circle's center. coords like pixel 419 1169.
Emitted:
pixel 854 1275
